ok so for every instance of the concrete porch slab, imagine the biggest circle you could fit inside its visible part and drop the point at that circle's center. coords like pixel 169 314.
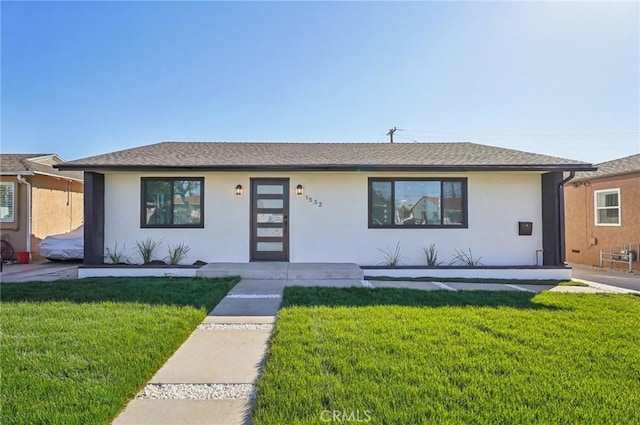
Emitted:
pixel 324 271
pixel 216 356
pixel 332 283
pixel 280 270
pixel 180 412
pixel 262 270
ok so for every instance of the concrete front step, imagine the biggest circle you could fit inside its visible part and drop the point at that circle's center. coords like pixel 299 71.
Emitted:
pixel 216 356
pixel 283 271
pixel 180 412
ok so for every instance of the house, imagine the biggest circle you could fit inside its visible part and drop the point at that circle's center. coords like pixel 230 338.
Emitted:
pixel 37 200
pixel 603 210
pixel 326 202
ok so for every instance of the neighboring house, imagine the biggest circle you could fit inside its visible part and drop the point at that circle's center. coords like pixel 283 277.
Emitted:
pixel 602 209
pixel 37 200
pixel 326 202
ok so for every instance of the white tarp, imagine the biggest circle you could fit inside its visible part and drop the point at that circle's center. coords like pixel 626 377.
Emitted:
pixel 66 246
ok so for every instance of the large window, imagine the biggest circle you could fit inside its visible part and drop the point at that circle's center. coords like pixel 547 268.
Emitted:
pixel 172 202
pixel 418 202
pixel 7 202
pixel 607 207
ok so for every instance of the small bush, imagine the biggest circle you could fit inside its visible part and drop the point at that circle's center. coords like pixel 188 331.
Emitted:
pixel 177 253
pixel 432 255
pixel 461 257
pixel 116 256
pixel 392 258
pixel 147 248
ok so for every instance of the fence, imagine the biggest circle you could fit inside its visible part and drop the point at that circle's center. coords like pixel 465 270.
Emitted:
pixel 623 254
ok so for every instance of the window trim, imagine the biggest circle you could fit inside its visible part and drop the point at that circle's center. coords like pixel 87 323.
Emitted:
pixel 13 203
pixel 143 203
pixel 596 208
pixel 393 180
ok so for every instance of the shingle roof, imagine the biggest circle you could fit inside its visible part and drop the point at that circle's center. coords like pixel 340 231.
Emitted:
pixel 321 156
pixel 628 164
pixel 27 163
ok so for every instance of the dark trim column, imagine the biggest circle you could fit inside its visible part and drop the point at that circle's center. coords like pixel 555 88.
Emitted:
pixel 93 218
pixel 552 219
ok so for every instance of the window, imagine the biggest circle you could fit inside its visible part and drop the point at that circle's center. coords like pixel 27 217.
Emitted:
pixel 172 202
pixel 607 207
pixel 418 203
pixel 7 202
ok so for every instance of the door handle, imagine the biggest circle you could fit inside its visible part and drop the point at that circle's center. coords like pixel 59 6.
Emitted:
pixel 286 224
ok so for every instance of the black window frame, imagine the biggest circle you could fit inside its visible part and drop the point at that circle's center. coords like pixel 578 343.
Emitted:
pixel 393 180
pixel 171 180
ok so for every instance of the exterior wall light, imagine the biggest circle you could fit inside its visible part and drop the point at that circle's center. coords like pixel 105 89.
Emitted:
pixel 299 190
pixel 239 190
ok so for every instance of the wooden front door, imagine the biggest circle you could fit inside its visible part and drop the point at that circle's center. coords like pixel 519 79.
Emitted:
pixel 269 219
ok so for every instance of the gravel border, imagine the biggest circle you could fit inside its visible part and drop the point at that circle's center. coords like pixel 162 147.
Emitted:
pixel 197 392
pixel 234 326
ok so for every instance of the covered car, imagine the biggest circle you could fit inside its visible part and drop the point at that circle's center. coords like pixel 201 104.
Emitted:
pixel 65 246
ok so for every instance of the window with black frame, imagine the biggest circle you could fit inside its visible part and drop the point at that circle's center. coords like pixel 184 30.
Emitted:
pixel 399 202
pixel 169 202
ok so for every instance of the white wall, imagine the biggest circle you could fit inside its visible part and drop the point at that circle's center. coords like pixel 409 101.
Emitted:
pixel 337 231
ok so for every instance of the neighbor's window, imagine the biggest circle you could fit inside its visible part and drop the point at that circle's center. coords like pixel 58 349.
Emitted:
pixel 172 202
pixel 607 207
pixel 417 202
pixel 7 202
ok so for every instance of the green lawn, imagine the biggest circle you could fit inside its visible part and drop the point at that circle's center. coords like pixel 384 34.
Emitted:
pixel 75 352
pixel 412 357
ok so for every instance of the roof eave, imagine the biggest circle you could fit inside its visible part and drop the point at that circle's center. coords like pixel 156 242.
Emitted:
pixel 330 167
pixel 32 173
pixel 608 175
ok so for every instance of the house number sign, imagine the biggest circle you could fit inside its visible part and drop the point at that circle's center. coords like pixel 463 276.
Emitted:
pixel 313 201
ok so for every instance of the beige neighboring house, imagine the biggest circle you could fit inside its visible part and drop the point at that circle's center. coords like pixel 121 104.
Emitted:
pixel 602 209
pixel 37 200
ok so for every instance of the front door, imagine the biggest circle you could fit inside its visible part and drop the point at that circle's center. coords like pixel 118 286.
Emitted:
pixel 269 219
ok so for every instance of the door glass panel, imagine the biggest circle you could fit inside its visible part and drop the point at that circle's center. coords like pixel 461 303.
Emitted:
pixel 270 189
pixel 269 246
pixel 270 203
pixel 269 218
pixel 270 232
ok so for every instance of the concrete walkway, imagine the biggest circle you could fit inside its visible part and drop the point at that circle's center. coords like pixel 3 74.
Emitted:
pixel 211 378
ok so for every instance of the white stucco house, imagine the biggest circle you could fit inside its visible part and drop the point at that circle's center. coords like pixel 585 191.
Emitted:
pixel 328 202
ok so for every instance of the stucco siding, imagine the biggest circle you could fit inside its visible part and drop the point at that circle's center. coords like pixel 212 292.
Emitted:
pixel 338 231
pixel 57 208
pixel 585 239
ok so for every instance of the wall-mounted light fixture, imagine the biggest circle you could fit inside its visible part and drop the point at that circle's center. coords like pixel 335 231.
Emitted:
pixel 299 190
pixel 239 190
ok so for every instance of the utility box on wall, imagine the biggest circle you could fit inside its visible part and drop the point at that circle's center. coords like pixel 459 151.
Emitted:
pixel 525 228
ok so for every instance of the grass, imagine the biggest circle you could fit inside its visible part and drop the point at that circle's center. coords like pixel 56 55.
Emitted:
pixel 75 352
pixel 420 357
pixel 476 280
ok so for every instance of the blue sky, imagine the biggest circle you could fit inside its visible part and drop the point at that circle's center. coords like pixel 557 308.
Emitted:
pixel 84 78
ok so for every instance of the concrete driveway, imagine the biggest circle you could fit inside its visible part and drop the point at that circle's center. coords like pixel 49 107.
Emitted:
pixel 615 278
pixel 41 271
